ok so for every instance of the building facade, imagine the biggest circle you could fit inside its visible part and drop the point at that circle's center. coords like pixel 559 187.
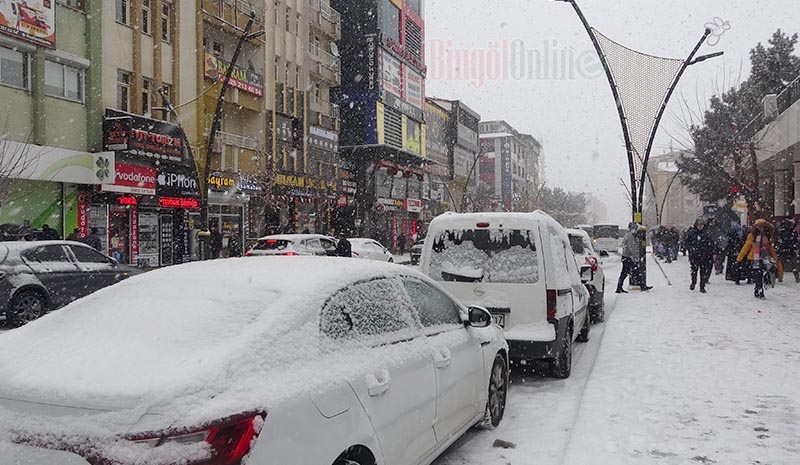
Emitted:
pixel 508 169
pixel 383 133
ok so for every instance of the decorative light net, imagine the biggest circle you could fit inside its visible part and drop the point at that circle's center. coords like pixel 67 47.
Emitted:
pixel 642 82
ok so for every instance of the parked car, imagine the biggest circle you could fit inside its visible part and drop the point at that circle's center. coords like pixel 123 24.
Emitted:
pixel 210 362
pixel 39 276
pixel 294 244
pixel 520 266
pixel 370 249
pixel 416 252
pixel 589 261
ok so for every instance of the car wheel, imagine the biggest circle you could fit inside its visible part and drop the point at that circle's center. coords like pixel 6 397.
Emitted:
pixel 498 392
pixel 584 334
pixel 25 307
pixel 561 366
pixel 356 455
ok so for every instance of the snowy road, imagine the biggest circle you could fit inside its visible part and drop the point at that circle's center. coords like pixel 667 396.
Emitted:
pixel 673 377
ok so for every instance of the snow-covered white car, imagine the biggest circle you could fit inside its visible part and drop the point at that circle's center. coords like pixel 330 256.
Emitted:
pixel 294 244
pixel 589 262
pixel 521 267
pixel 370 249
pixel 252 361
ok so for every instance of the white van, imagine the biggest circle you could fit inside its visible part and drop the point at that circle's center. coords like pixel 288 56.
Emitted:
pixel 521 268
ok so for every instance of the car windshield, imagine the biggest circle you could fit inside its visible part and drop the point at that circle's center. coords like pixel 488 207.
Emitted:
pixel 485 255
pixel 606 231
pixel 272 244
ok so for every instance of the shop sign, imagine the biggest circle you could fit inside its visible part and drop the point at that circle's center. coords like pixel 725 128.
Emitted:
pixel 414 205
pixel 389 205
pixel 134 230
pixel 341 201
pixel 144 137
pixel 323 138
pixel 177 181
pixel 241 78
pixel 289 180
pixel 399 51
pixel 349 187
pixel 372 61
pixel 402 106
pixel 42 163
pixel 178 202
pixel 219 181
pixel 392 79
pixel 83 213
pixel 31 21
pixel 413 88
pixel 250 184
pixel 128 201
pixel 132 179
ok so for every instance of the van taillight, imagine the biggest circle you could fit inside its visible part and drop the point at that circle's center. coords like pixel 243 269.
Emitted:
pixel 552 303
pixel 483 225
pixel 591 261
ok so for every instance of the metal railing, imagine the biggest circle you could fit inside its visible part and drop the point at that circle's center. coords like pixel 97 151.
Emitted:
pixel 326 59
pixel 327 13
pixel 325 107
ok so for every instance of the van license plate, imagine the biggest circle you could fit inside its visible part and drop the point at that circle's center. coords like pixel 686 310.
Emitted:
pixel 500 320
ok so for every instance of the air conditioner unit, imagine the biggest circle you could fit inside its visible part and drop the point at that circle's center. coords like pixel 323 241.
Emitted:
pixel 770 103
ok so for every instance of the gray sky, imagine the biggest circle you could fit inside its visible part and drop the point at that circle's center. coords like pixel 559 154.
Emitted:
pixel 570 109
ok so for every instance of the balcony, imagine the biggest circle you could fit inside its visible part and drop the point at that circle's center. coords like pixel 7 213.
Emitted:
pixel 326 19
pixel 324 65
pixel 234 14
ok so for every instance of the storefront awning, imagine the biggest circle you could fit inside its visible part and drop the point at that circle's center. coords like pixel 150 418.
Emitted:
pixel 43 163
pixel 375 152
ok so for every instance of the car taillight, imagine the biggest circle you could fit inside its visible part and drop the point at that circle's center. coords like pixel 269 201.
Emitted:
pixel 593 263
pixel 229 439
pixel 552 302
pixel 289 254
pixel 249 253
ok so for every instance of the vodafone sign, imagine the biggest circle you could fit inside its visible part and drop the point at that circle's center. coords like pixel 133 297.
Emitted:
pixel 133 179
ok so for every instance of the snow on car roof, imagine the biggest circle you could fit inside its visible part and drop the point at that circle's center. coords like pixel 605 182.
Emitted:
pixel 507 219
pixel 577 232
pixel 17 246
pixel 293 237
pixel 202 329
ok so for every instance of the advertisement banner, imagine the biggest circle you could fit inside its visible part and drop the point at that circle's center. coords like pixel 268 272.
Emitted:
pixel 144 137
pixel 177 181
pixel 132 179
pixel 83 213
pixel 241 78
pixel 414 205
pixel 402 106
pixel 505 157
pixel 392 79
pixel 380 122
pixel 30 20
pixel 42 163
pixel 413 90
pixel 436 143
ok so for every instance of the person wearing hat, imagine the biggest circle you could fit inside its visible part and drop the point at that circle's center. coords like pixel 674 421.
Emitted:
pixel 630 256
pixel 700 245
pixel 759 249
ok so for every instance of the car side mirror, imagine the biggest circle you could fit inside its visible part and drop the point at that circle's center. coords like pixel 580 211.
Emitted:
pixel 479 317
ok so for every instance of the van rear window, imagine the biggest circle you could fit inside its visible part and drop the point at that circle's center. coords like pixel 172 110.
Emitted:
pixel 485 255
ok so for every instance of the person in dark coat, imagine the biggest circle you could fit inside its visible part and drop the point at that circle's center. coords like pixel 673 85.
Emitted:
pixel 733 271
pixel 401 243
pixel 75 235
pixel 343 247
pixel 49 234
pixel 786 243
pixel 93 240
pixel 630 256
pixel 234 245
pixel 215 243
pixel 700 246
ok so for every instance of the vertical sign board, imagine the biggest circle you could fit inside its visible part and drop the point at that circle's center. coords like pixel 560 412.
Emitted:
pixel 167 240
pixel 133 217
pixel 505 157
pixel 30 20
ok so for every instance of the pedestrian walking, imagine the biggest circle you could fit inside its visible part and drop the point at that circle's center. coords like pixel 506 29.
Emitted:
pixel 343 247
pixel 700 246
pixel 733 269
pixel 215 244
pixel 234 245
pixel 630 256
pixel 401 243
pixel 759 249
pixel 786 244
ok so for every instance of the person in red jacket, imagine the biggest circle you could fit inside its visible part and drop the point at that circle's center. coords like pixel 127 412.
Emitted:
pixel 760 250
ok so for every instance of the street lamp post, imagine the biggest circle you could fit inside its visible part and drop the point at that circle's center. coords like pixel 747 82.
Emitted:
pixel 215 126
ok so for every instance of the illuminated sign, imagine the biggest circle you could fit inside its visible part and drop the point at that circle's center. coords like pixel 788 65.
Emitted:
pixel 241 78
pixel 128 201
pixel 221 181
pixel 179 202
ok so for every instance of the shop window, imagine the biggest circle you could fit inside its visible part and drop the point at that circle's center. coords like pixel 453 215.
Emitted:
pixel 146 16
pixel 390 20
pixel 166 21
pixel 122 11
pixel 123 90
pixel 13 68
pixel 63 81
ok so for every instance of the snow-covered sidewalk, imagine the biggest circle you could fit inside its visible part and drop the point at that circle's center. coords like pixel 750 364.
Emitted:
pixel 673 377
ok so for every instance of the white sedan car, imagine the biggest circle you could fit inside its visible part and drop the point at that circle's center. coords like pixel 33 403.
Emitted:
pixel 370 249
pixel 252 361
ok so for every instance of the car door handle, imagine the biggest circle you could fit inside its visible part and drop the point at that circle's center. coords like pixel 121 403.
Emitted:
pixel 442 358
pixel 378 383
